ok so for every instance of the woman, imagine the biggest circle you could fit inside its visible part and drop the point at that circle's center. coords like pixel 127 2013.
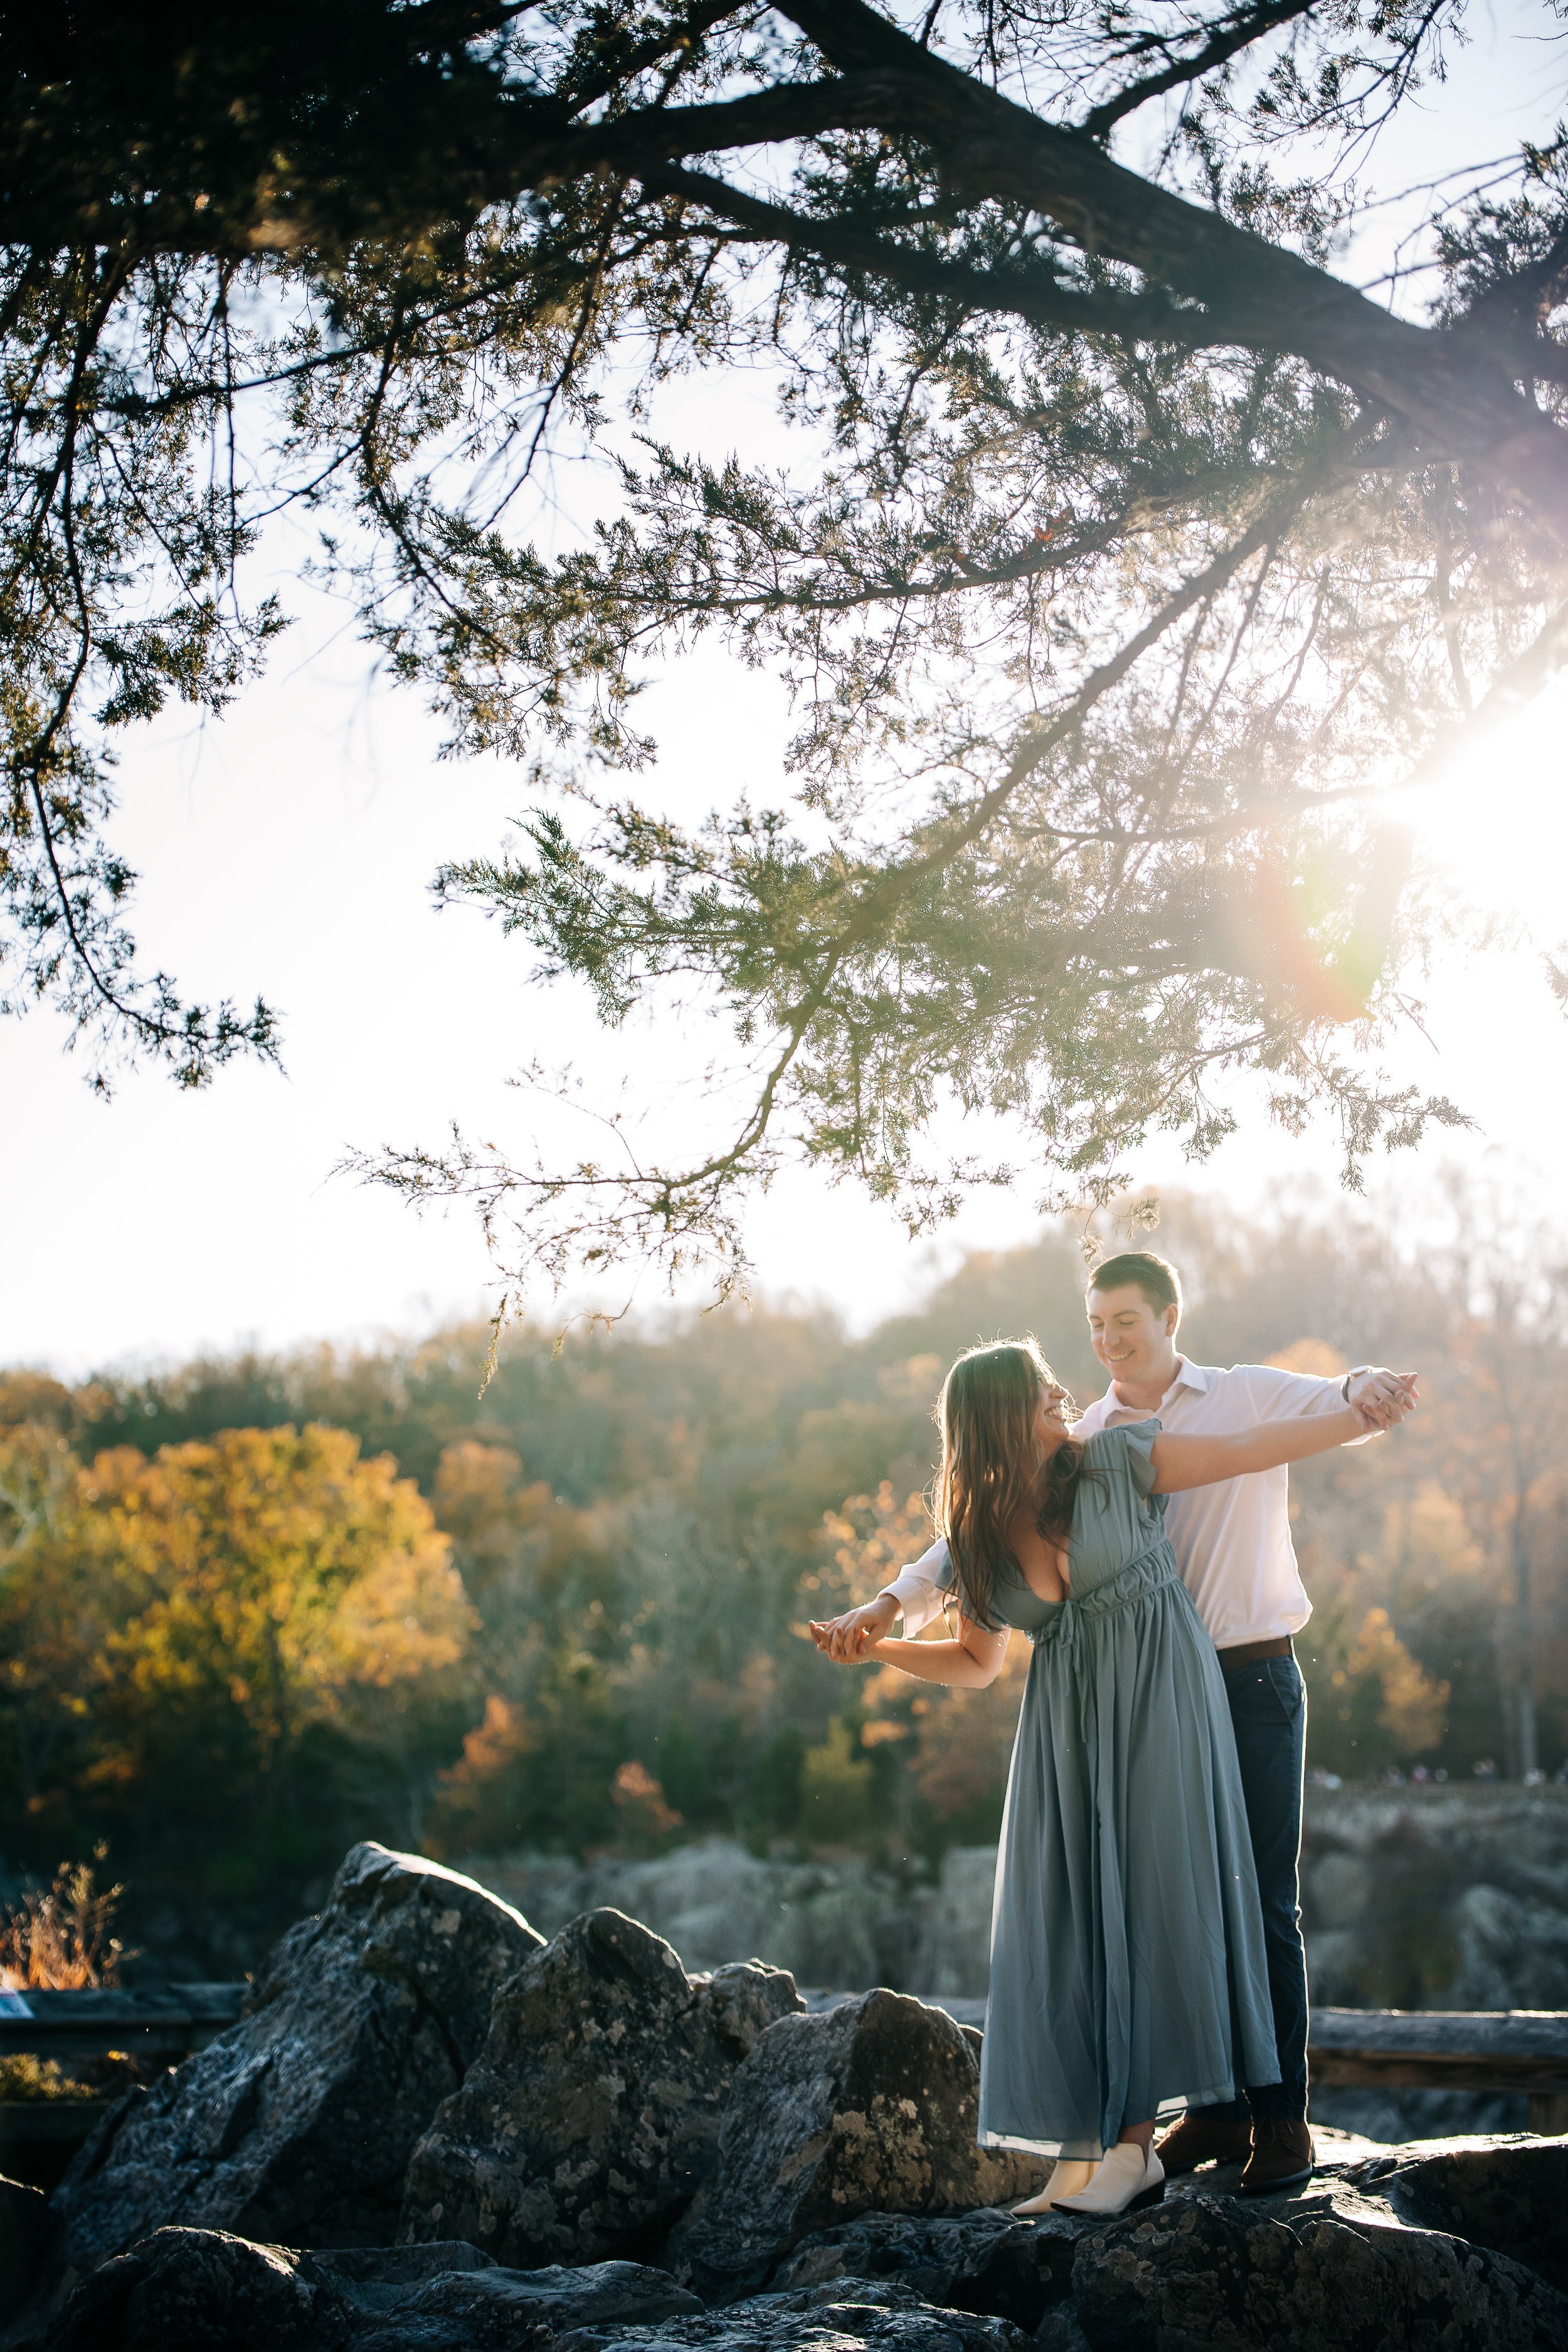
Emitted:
pixel 1127 1967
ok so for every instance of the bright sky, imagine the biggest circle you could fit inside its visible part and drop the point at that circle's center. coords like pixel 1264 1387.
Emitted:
pixel 288 850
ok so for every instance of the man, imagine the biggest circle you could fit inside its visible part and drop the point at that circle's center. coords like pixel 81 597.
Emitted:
pixel 1233 1544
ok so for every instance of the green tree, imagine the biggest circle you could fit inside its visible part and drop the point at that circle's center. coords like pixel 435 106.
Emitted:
pixel 1126 543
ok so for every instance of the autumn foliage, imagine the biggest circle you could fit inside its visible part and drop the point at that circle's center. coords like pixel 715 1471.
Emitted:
pixel 330 1598
pixel 194 1645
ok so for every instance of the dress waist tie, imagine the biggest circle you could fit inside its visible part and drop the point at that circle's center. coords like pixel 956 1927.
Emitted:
pixel 1147 1573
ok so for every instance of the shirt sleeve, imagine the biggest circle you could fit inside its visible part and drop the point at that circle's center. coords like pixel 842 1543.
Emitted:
pixel 920 1590
pixel 1275 1394
pixel 1135 1443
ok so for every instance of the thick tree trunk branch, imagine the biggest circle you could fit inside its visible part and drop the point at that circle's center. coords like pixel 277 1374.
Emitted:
pixel 1031 294
pixel 1448 389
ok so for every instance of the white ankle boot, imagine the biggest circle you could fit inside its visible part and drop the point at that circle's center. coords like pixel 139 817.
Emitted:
pixel 1124 2179
pixel 1071 2174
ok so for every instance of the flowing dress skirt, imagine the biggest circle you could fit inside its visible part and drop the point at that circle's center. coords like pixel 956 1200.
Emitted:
pixel 1127 1970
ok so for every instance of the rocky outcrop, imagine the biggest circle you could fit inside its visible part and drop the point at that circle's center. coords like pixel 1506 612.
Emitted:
pixel 591 2118
pixel 1327 2274
pixel 1512 2195
pixel 1364 2260
pixel 1353 2263
pixel 296 2125
pixel 554 2106
pixel 206 2291
pixel 872 2105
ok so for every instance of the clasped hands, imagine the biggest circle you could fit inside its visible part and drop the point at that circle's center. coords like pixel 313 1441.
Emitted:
pixel 1384 1399
pixel 853 1639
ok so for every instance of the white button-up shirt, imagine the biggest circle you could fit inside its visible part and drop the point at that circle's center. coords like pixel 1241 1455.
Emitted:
pixel 1232 1540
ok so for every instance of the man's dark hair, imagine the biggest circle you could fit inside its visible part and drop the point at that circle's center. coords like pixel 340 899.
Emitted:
pixel 1155 1277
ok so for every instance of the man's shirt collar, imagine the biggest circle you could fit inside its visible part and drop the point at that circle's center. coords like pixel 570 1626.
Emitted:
pixel 1188 1376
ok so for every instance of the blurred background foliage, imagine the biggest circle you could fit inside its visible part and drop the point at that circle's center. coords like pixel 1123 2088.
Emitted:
pixel 251 1608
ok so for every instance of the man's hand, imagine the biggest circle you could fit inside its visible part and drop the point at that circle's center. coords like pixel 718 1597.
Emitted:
pixel 1382 1397
pixel 852 1639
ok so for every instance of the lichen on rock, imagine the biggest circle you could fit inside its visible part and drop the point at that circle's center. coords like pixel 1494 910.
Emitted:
pixel 591 2116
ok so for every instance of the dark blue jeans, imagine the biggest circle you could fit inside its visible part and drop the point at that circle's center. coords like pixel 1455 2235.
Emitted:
pixel 1268 1709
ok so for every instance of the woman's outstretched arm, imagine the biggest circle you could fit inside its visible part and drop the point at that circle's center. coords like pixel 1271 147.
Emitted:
pixel 1183 1461
pixel 972 1662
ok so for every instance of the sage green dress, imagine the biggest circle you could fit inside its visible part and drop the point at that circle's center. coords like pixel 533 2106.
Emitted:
pixel 1127 1964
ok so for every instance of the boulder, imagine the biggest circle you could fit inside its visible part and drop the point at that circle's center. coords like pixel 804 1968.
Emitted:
pixel 1319 2273
pixel 869 2108
pixel 206 2291
pixel 191 2291
pixel 883 2317
pixel 591 2116
pixel 976 2262
pixel 1508 2194
pixel 25 2228
pixel 296 2125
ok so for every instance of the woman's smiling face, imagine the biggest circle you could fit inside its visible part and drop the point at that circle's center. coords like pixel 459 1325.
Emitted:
pixel 1050 1423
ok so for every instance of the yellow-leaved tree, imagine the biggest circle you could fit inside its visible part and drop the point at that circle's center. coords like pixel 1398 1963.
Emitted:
pixel 233 1637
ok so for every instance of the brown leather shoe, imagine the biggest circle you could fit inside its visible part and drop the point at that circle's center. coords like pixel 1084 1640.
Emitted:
pixel 1198 2137
pixel 1282 2157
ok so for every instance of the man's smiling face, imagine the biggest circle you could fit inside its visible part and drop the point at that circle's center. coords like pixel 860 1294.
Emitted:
pixel 1131 1336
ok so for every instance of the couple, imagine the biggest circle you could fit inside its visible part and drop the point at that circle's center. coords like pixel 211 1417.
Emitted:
pixel 1146 1946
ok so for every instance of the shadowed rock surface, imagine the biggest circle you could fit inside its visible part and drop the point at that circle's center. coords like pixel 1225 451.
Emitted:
pixel 206 2291
pixel 592 2115
pixel 869 2108
pixel 822 2319
pixel 1512 2196
pixel 1339 2267
pixel 974 2262
pixel 1321 2275
pixel 296 2125
pixel 1359 2259
pixel 25 2230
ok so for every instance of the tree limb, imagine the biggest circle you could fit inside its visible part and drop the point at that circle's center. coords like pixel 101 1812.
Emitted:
pixel 1447 387
pixel 1226 40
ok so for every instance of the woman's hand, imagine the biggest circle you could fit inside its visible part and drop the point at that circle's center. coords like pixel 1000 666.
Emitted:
pixel 851 1640
pixel 1385 1398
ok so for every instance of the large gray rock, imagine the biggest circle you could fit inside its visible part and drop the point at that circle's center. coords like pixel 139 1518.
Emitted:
pixel 1325 2273
pixel 871 2107
pixel 593 2115
pixel 1508 2194
pixel 206 2291
pixel 297 2124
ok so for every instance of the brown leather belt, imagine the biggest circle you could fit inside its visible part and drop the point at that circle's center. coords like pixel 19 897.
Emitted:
pixel 1248 1654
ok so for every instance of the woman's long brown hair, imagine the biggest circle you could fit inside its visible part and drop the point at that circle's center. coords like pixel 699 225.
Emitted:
pixel 991 1469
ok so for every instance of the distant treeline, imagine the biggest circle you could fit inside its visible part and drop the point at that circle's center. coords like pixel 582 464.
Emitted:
pixel 251 1608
